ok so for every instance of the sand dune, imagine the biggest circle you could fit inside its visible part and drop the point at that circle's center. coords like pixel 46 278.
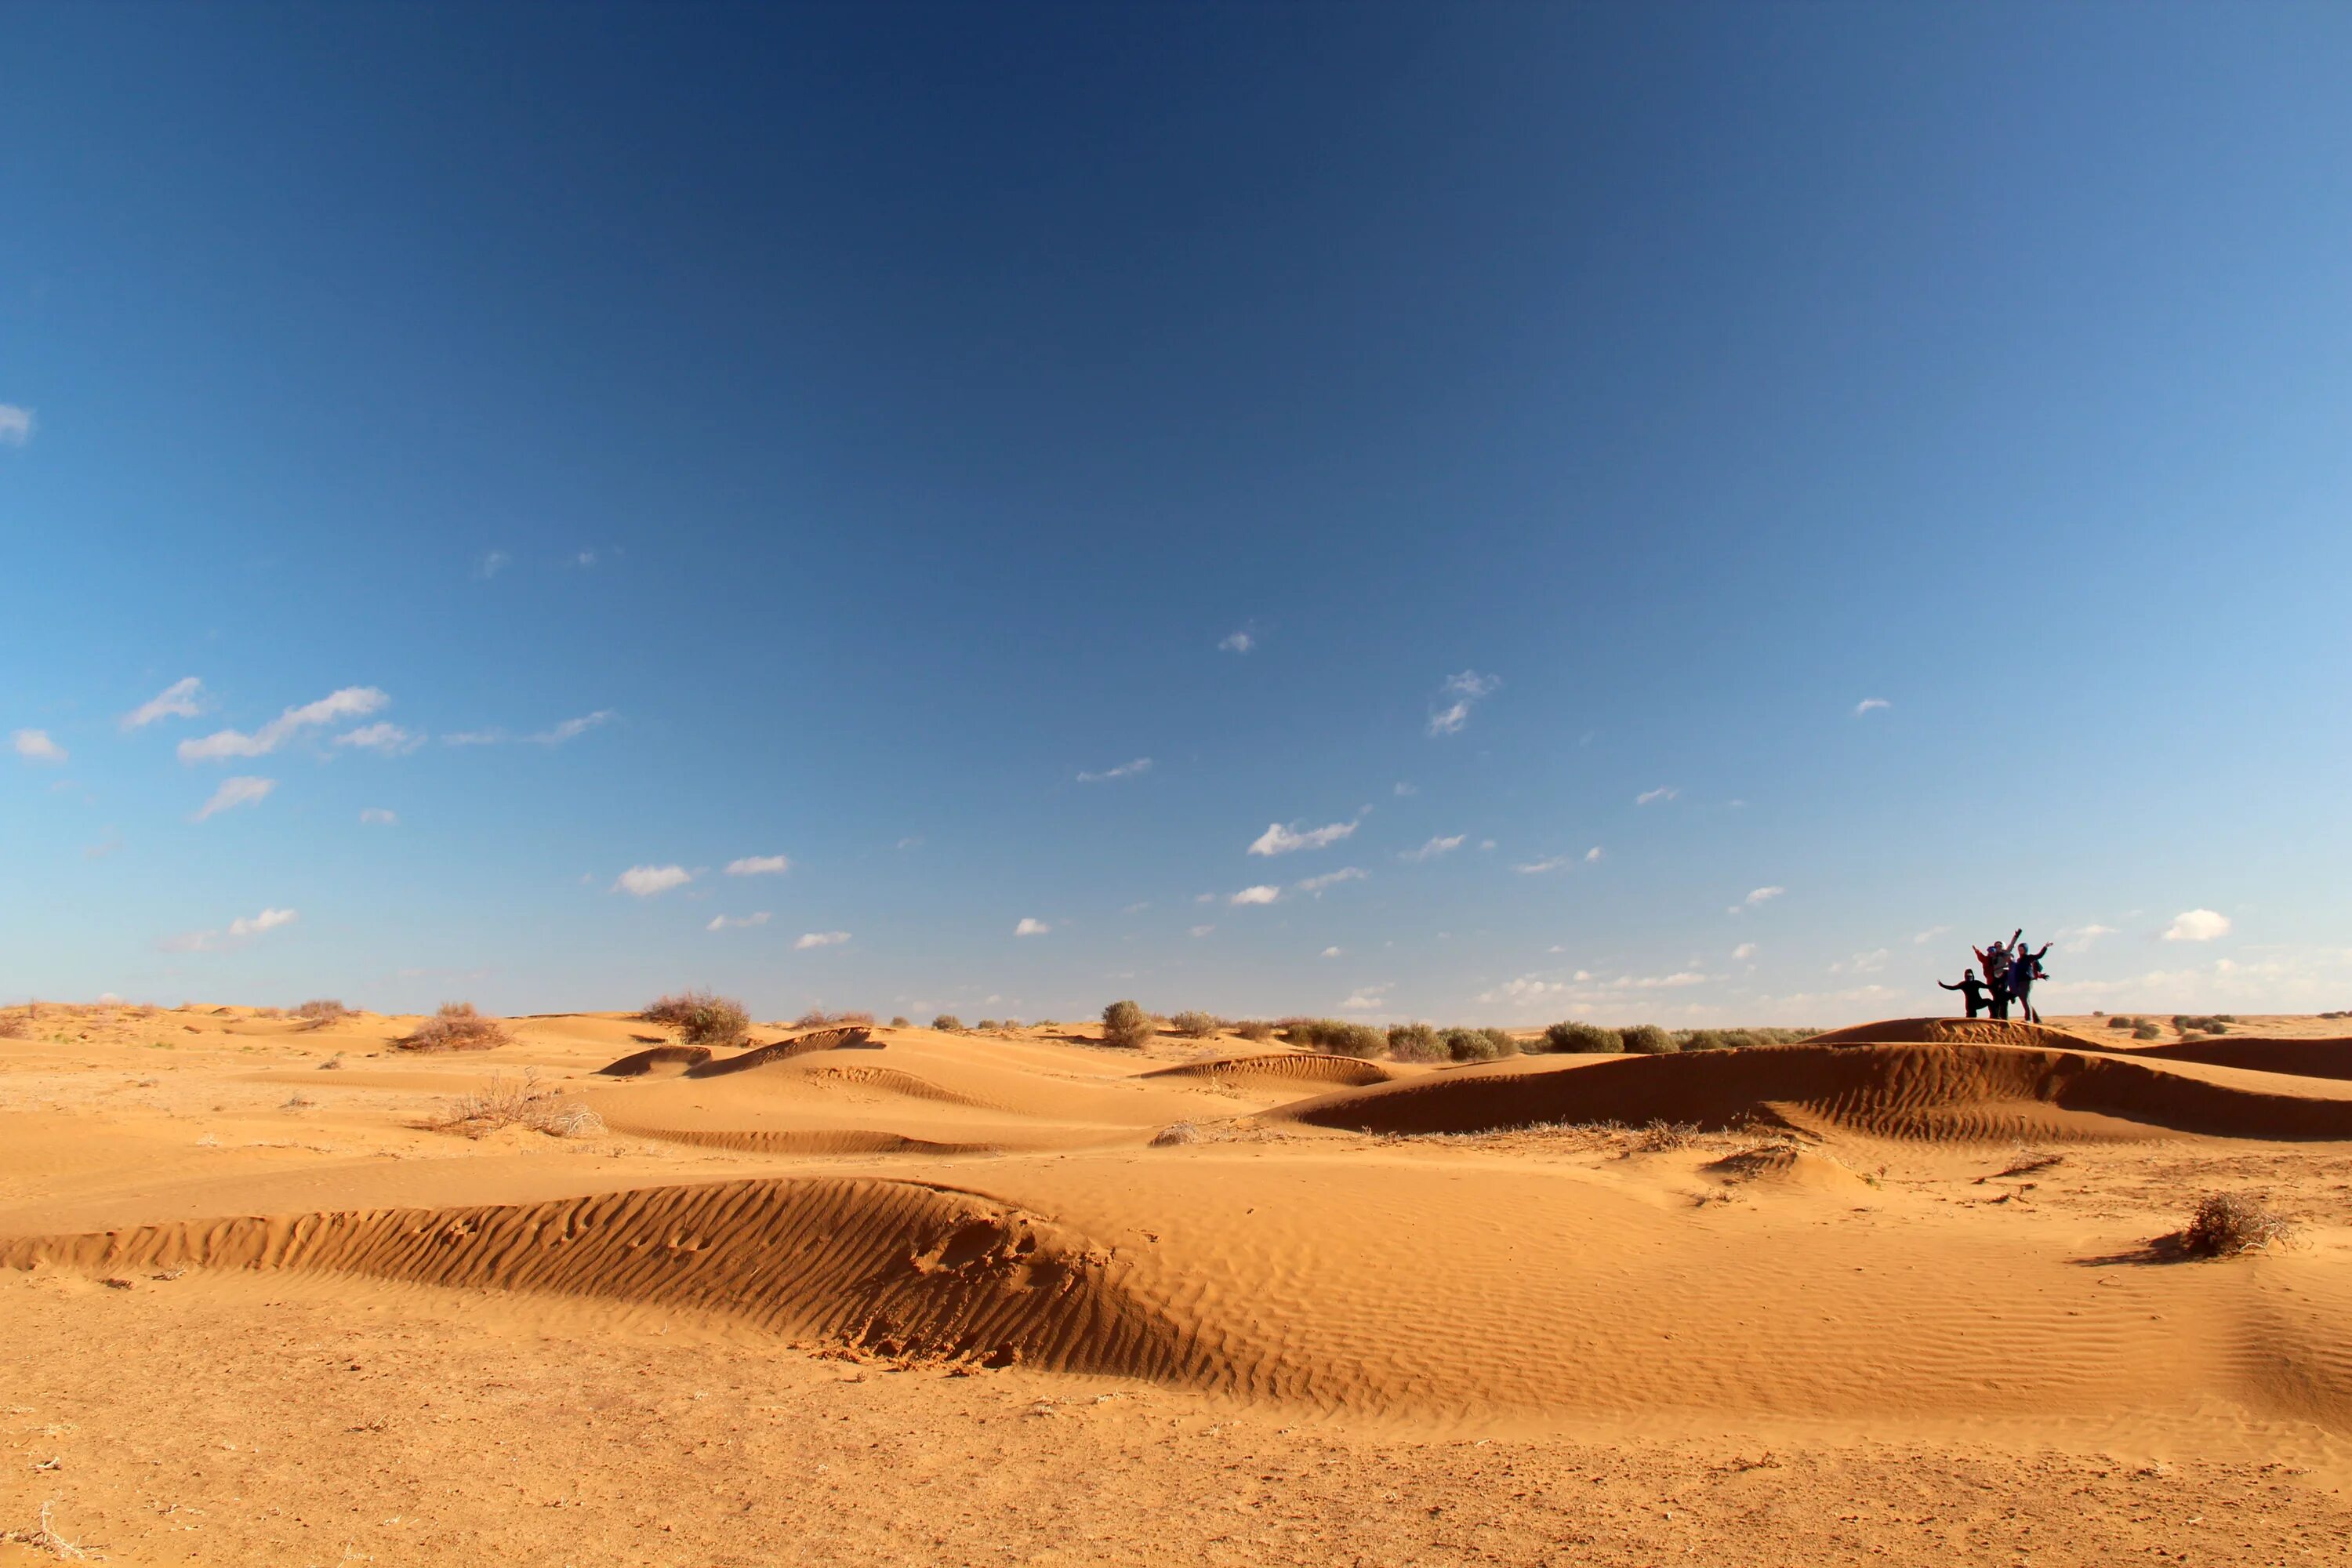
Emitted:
pixel 1282 1068
pixel 2304 1058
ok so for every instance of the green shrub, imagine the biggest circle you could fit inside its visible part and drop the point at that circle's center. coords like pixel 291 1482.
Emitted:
pixel 1470 1045
pixel 1503 1042
pixel 1712 1039
pixel 1648 1039
pixel 1334 1036
pixel 1414 1043
pixel 1572 1036
pixel 2144 1030
pixel 1127 1025
pixel 1194 1025
pixel 2120 1022
pixel 1256 1029
pixel 700 1017
pixel 948 1024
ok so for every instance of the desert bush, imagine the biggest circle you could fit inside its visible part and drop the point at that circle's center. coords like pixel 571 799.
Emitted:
pixel 988 1024
pixel 1193 1026
pixel 13 1028
pixel 1648 1039
pixel 2121 1021
pixel 2227 1224
pixel 455 1027
pixel 2202 1022
pixel 1505 1044
pixel 322 1011
pixel 1658 1137
pixel 504 1104
pixel 1127 1025
pixel 1415 1043
pixel 1469 1044
pixel 817 1018
pixel 1335 1036
pixel 948 1022
pixel 701 1017
pixel 1711 1039
pixel 1256 1029
pixel 269 1011
pixel 900 1022
pixel 1572 1036
pixel 2144 1030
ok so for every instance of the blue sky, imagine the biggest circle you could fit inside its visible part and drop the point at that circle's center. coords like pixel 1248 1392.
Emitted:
pixel 1680 513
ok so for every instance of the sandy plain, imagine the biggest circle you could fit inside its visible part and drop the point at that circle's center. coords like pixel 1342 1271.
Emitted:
pixel 903 1295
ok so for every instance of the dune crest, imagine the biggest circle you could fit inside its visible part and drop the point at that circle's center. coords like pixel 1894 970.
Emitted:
pixel 1283 1067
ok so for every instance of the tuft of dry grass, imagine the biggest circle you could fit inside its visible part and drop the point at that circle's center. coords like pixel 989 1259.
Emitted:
pixel 1658 1137
pixel 503 1104
pixel 319 1012
pixel 817 1018
pixel 1256 1030
pixel 2227 1225
pixel 455 1027
pixel 43 1537
pixel 13 1027
pixel 701 1017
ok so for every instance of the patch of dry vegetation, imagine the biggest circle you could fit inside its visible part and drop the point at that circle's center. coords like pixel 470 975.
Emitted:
pixel 701 1017
pixel 1194 1025
pixel 2227 1225
pixel 501 1103
pixel 319 1012
pixel 818 1018
pixel 1127 1025
pixel 455 1027
pixel 1334 1036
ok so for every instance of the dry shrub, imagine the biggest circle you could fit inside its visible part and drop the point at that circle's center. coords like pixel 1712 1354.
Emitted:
pixel 1573 1036
pixel 1127 1025
pixel 501 1103
pixel 701 1017
pixel 1648 1039
pixel 455 1027
pixel 900 1022
pixel 817 1018
pixel 269 1011
pixel 1334 1036
pixel 322 1008
pixel 948 1024
pixel 1415 1043
pixel 2121 1021
pixel 2228 1224
pixel 1175 1133
pixel 1194 1025
pixel 988 1024
pixel 1256 1029
pixel 13 1028
pixel 1659 1137
pixel 2145 1030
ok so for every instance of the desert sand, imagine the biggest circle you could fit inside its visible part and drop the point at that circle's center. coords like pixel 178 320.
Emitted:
pixel 1901 1294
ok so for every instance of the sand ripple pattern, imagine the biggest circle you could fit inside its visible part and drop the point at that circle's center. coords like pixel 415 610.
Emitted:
pixel 1283 1067
pixel 799 1140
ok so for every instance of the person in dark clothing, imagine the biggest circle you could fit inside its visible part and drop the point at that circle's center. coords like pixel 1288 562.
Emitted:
pixel 1996 962
pixel 1969 987
pixel 2024 969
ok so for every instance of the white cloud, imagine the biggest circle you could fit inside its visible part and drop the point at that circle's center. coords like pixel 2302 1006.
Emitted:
pixel 2079 938
pixel 1331 952
pixel 1756 897
pixel 1467 689
pixel 759 865
pixel 377 816
pixel 34 746
pixel 2196 925
pixel 807 940
pixel 15 425
pixel 1652 796
pixel 491 565
pixel 1433 849
pixel 1237 642
pixel 644 881
pixel 1869 963
pixel 233 792
pixel 1124 770
pixel 1551 863
pixel 1030 927
pixel 474 738
pixel 570 729
pixel 1593 855
pixel 584 558
pixel 240 930
pixel 389 739
pixel 177 700
pixel 1367 997
pixel 1871 705
pixel 1261 894
pixel 1527 988
pixel 1930 935
pixel 911 842
pixel 736 923
pixel 1404 789
pixel 351 702
pixel 1744 952
pixel 1279 840
pixel 1333 878
pixel 1203 931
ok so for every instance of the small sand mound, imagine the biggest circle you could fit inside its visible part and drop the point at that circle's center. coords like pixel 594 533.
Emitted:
pixel 1785 1165
pixel 1944 1093
pixel 2305 1058
pixel 893 1268
pixel 664 1059
pixel 782 1051
pixel 1955 1032
pixel 1283 1067
pixel 800 1140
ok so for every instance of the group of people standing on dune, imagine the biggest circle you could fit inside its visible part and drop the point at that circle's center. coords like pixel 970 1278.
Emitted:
pixel 2011 968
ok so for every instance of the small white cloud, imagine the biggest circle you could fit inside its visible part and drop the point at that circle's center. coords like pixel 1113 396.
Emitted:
pixel 1433 849
pixel 759 865
pixel 1367 997
pixel 912 842
pixel 491 565
pixel 1279 840
pixel 240 930
pixel 234 792
pixel 1467 689
pixel 377 816
pixel 736 923
pixel 1762 896
pixel 1550 863
pixel 1332 952
pixel 389 739
pixel 34 746
pixel 1652 796
pixel 1870 705
pixel 351 702
pixel 177 700
pixel 1261 894
pixel 1403 789
pixel 583 558
pixel 1203 931
pixel 474 738
pixel 807 940
pixel 1237 642
pixel 268 920
pixel 1333 878
pixel 2079 938
pixel 1744 952
pixel 644 881
pixel 1930 935
pixel 1137 908
pixel 2196 925
pixel 1869 963
pixel 570 729
pixel 1124 770
pixel 15 425
pixel 1593 855
pixel 1030 927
